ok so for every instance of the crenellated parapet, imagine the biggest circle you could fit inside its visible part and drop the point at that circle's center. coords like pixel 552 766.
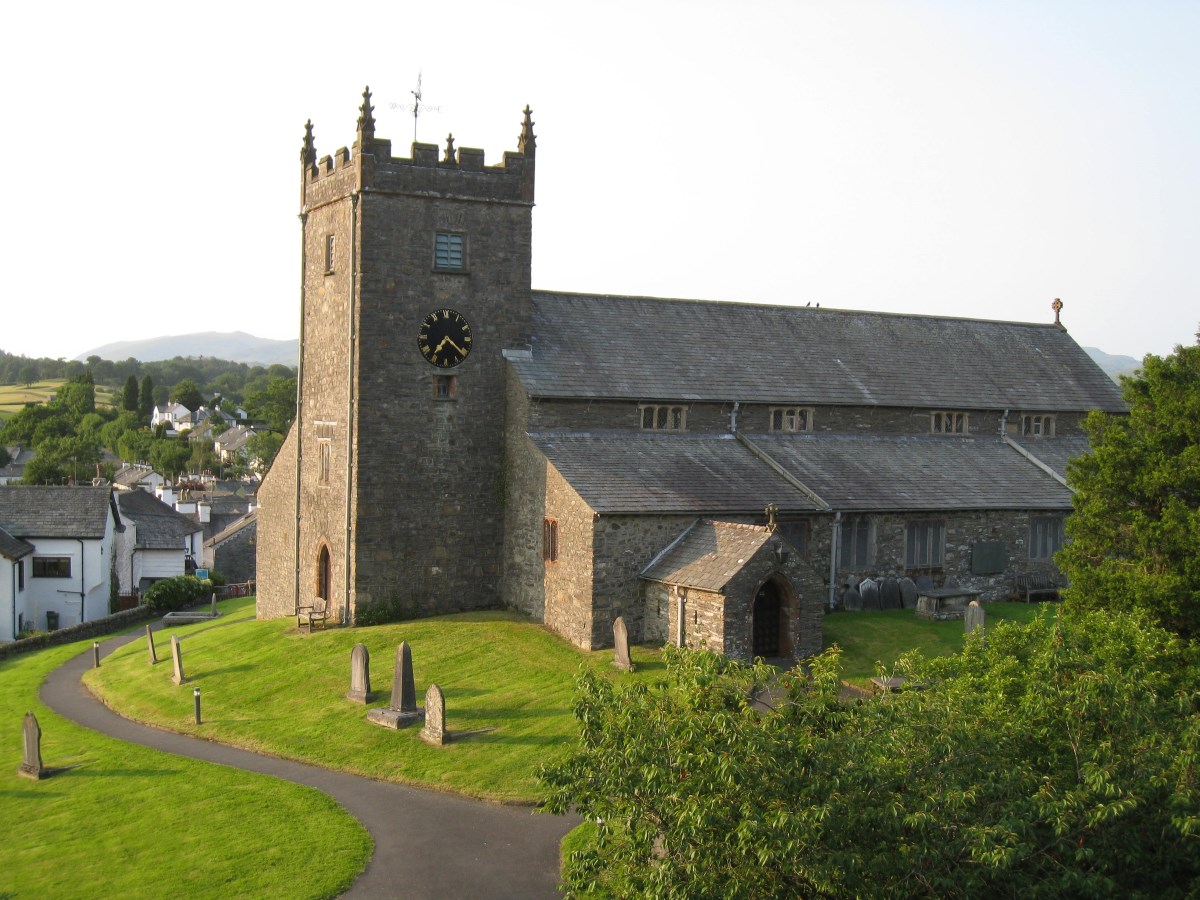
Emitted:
pixel 454 172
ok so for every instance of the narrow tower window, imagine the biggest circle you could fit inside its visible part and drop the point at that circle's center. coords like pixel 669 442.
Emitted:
pixel 448 250
pixel 329 245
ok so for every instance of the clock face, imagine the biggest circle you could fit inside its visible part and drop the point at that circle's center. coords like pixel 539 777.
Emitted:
pixel 444 338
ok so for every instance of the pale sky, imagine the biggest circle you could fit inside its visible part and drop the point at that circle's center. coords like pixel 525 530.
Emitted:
pixel 951 157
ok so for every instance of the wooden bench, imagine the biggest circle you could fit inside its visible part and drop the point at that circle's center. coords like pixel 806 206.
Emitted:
pixel 312 615
pixel 1024 587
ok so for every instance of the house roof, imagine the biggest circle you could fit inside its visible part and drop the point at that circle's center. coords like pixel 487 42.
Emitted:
pixel 159 527
pixel 647 348
pixel 1055 452
pixel 13 547
pixel 631 472
pixel 708 555
pixel 50 512
pixel 246 521
pixel 18 457
pixel 914 472
pixel 133 475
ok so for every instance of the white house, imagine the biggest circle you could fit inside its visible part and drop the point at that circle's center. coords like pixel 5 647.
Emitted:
pixel 157 542
pixel 56 555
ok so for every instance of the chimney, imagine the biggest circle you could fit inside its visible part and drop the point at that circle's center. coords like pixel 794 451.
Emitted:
pixel 204 511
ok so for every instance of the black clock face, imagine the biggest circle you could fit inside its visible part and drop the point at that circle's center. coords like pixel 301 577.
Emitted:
pixel 444 338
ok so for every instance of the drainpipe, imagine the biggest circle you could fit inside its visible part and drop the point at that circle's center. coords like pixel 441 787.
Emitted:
pixel 833 555
pixel 299 423
pixel 680 602
pixel 82 582
pixel 1004 424
pixel 733 418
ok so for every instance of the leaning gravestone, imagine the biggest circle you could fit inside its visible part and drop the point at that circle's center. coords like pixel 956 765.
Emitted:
pixel 908 593
pixel 973 617
pixel 31 762
pixel 852 600
pixel 360 675
pixel 870 593
pixel 177 661
pixel 924 583
pixel 150 646
pixel 434 731
pixel 403 709
pixel 621 646
pixel 889 594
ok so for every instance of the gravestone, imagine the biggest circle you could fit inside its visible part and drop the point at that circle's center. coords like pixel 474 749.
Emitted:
pixel 434 731
pixel 908 593
pixel 177 661
pixel 153 655
pixel 889 594
pixel 31 762
pixel 621 646
pixel 924 583
pixel 852 600
pixel 403 709
pixel 870 593
pixel 973 617
pixel 214 604
pixel 360 675
pixel 853 582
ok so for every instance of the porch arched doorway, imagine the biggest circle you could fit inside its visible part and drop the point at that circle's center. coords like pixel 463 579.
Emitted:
pixel 770 636
pixel 324 578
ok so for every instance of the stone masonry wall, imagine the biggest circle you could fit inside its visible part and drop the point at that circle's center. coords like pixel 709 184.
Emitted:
pixel 569 609
pixel 524 508
pixel 234 557
pixel 275 553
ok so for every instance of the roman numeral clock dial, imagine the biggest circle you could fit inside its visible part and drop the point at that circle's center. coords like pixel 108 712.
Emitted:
pixel 444 338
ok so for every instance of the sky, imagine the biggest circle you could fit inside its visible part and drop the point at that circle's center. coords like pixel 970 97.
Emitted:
pixel 945 157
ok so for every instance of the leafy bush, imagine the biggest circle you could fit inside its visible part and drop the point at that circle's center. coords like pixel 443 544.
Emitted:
pixel 176 593
pixel 383 612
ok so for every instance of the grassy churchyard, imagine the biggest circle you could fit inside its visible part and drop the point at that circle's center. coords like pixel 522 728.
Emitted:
pixel 124 812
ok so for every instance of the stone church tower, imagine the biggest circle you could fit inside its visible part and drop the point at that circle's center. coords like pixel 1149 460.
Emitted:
pixel 416 278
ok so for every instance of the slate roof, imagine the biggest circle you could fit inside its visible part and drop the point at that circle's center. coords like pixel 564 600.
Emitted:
pixel 18 457
pixel 708 555
pixel 631 472
pixel 55 512
pixel 1055 452
pixel 246 521
pixel 133 475
pixel 13 547
pixel 645 348
pixel 914 472
pixel 159 527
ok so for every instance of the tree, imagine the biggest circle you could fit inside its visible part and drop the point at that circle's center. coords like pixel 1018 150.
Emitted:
pixel 169 457
pixel 275 405
pixel 57 460
pixel 78 395
pixel 262 449
pixel 187 394
pixel 1135 532
pixel 1058 757
pixel 28 375
pixel 146 398
pixel 129 394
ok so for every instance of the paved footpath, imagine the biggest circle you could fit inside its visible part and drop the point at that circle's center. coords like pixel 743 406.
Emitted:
pixel 427 844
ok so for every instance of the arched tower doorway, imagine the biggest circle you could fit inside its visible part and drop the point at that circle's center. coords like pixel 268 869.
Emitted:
pixel 324 579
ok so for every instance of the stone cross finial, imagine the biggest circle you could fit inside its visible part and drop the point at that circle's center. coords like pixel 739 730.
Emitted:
pixel 1057 306
pixel 308 153
pixel 366 121
pixel 771 512
pixel 527 142
pixel 449 157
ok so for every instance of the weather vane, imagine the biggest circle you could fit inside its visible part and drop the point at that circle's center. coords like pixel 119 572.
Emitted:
pixel 416 105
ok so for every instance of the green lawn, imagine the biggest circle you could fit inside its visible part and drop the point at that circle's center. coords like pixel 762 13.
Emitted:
pixel 14 396
pixel 126 821
pixel 268 687
pixel 868 639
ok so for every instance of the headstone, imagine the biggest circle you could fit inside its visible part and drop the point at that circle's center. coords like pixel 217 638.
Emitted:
pixel 852 600
pixel 150 646
pixel 403 709
pixel 853 582
pixel 214 604
pixel 870 593
pixel 621 646
pixel 908 593
pixel 434 731
pixel 973 617
pixel 924 583
pixel 889 594
pixel 360 675
pixel 31 762
pixel 177 661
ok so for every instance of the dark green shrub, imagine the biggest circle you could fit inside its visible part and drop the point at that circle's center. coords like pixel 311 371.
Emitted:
pixel 382 612
pixel 176 593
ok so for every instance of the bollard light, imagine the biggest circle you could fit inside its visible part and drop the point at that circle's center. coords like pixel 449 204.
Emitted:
pixel 96 653
pixel 196 697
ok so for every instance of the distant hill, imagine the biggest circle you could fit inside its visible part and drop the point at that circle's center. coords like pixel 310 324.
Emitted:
pixel 1113 365
pixel 236 346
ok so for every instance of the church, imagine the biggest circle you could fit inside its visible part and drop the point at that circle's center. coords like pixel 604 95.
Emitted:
pixel 716 474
